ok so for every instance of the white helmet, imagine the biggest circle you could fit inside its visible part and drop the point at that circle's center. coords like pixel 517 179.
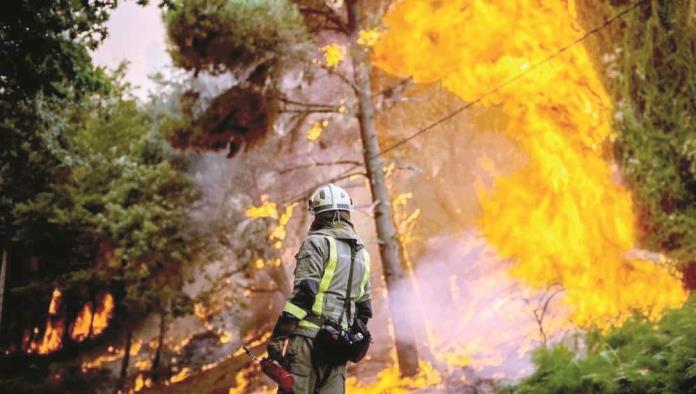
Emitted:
pixel 329 197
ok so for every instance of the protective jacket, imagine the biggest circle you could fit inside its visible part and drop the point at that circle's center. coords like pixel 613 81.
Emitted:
pixel 319 292
pixel 321 279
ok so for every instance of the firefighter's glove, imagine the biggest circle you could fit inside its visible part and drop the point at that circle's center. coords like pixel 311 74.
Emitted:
pixel 283 328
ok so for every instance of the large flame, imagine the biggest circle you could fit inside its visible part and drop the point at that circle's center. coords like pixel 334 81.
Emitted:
pixel 562 218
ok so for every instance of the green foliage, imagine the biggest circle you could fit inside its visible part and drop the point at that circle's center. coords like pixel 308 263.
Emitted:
pixel 92 197
pixel 114 216
pixel 235 35
pixel 656 119
pixel 638 357
pixel 45 46
pixel 120 205
pixel 47 43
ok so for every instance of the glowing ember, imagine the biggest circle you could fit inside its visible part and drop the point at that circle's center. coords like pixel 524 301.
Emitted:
pixel 101 360
pixel 112 355
pixel 368 38
pixel 143 365
pixel 200 311
pixel 562 218
pixel 267 209
pixel 55 302
pixel 316 130
pixel 225 337
pixel 139 383
pixel 180 376
pixel 333 54
pixel 135 347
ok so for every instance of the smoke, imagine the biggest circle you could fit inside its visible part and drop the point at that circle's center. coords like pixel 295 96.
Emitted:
pixel 479 316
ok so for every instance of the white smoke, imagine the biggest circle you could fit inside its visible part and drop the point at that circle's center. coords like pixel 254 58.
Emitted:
pixel 477 314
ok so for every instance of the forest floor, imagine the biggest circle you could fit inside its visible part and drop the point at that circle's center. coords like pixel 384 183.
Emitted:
pixel 238 375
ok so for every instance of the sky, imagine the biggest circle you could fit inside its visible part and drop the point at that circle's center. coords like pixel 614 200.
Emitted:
pixel 137 35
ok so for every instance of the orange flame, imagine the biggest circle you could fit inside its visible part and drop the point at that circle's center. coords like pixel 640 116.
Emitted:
pixel 89 325
pixel 562 218
pixel 112 354
pixel 389 382
pixel 52 339
pixel 181 375
pixel 269 209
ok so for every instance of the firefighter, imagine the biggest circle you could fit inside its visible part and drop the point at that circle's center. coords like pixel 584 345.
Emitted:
pixel 324 294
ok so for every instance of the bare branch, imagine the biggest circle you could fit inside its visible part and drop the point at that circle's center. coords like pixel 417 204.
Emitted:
pixel 396 88
pixel 234 272
pixel 310 111
pixel 289 101
pixel 318 164
pixel 346 80
pixel 344 175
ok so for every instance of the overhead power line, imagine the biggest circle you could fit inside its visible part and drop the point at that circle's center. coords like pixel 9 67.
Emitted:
pixel 514 78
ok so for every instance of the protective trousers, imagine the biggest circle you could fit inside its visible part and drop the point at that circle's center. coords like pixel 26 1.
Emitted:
pixel 309 378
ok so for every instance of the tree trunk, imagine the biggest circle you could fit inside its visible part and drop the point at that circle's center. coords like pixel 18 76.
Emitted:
pixel 154 374
pixel 389 245
pixel 120 386
pixel 3 273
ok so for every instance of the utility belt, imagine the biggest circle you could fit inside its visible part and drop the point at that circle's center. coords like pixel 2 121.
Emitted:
pixel 335 344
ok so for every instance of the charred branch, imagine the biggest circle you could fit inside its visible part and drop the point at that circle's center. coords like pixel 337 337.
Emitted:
pixel 541 308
